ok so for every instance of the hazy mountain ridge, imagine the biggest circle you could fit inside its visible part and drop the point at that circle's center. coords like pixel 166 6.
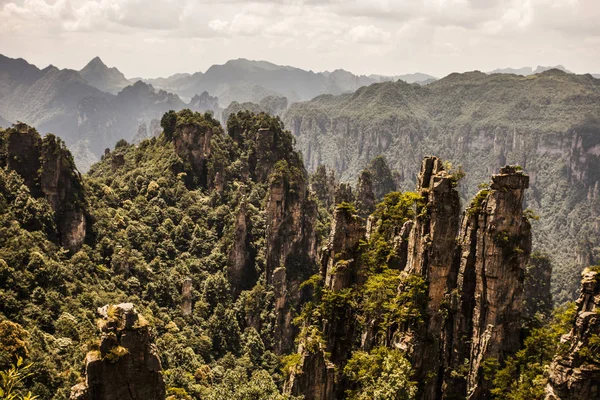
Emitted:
pixel 527 70
pixel 542 122
pixel 109 80
pixel 238 80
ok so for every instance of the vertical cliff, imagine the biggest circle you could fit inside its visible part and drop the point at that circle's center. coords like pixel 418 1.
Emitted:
pixel 126 366
pixel 495 243
pixel 575 371
pixel 431 247
pixel 318 375
pixel 49 171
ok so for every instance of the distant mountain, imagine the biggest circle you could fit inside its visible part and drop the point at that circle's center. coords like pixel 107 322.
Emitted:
pixel 528 70
pixel 516 71
pixel 103 121
pixel 244 80
pixel 597 76
pixel 271 105
pixel 109 80
pixel 547 122
pixel 47 99
pixel 408 78
pixel 541 69
pixel 88 119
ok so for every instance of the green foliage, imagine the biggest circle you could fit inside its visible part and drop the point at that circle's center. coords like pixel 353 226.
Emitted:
pixel 153 223
pixel 12 379
pixel 381 374
pixel 116 353
pixel 477 202
pixel 522 376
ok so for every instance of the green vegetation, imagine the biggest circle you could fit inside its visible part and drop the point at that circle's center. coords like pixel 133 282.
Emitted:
pixel 481 122
pixel 523 376
pixel 381 374
pixel 12 379
pixel 152 225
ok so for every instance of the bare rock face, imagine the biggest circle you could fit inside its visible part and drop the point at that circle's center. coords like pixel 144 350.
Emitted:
pixel 431 254
pixel 186 295
pixel 48 170
pixel 126 366
pixel 575 372
pixel 495 242
pixel 343 194
pixel 365 196
pixel 192 144
pixel 241 271
pixel 317 376
pixel 291 247
pixel 313 377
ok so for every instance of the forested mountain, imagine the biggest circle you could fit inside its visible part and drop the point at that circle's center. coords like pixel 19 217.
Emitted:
pixel 547 123
pixel 206 263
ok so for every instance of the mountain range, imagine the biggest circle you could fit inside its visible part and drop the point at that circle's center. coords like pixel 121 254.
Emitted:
pixel 527 70
pixel 96 106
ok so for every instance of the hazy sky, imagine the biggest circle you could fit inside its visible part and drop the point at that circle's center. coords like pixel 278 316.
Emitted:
pixel 160 37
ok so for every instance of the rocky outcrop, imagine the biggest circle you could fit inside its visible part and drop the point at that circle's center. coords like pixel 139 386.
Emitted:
pixel 290 247
pixel 431 248
pixel 193 144
pixel 126 366
pixel 313 377
pixel 48 170
pixel 575 371
pixel 365 196
pixel 318 376
pixel 495 244
pixel 241 271
pixel 343 194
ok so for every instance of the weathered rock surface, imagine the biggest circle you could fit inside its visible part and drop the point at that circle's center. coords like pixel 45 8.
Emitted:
pixel 575 373
pixel 193 144
pixel 290 243
pixel 495 244
pixel 318 375
pixel 126 366
pixel 48 170
pixel 475 275
pixel 431 254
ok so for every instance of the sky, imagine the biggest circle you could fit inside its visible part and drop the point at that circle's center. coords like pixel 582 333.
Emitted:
pixel 151 38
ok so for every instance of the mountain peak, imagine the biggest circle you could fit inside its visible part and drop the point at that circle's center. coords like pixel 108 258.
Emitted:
pixel 99 75
pixel 96 61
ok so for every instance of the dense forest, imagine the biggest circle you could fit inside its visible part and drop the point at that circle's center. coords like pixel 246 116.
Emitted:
pixel 206 263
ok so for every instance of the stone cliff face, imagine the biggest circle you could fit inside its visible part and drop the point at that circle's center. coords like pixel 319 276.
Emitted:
pixel 290 249
pixel 575 371
pixel 474 273
pixel 431 254
pixel 193 144
pixel 48 170
pixel 495 247
pixel 318 376
pixel 126 366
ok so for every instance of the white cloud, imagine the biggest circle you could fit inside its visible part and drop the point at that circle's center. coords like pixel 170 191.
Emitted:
pixel 434 36
pixel 368 34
